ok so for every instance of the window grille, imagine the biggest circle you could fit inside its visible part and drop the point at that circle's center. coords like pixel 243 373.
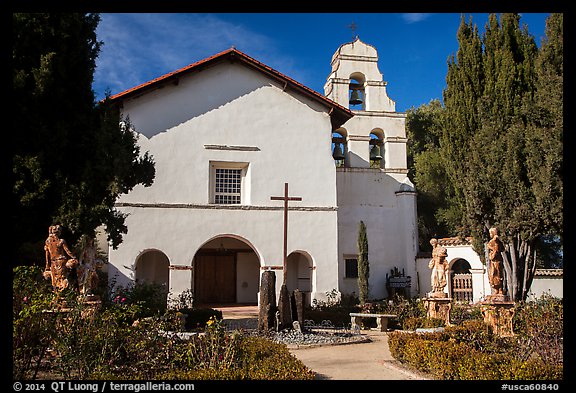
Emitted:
pixel 227 186
pixel 462 287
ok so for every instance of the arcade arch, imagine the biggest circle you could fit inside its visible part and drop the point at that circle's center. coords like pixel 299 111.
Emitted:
pixel 299 268
pixel 226 270
pixel 152 266
pixel 461 281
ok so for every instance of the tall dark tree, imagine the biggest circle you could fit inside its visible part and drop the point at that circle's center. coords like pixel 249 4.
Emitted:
pixel 465 81
pixel 426 168
pixel 363 264
pixel 544 139
pixel 70 156
pixel 490 148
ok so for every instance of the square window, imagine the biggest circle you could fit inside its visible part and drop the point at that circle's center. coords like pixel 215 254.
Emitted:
pixel 227 183
pixel 351 268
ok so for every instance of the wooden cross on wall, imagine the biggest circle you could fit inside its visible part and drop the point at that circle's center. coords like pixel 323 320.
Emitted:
pixel 285 198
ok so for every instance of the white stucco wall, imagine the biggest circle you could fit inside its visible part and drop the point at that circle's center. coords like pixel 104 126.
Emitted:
pixel 289 140
pixel 247 284
pixel 369 195
pixel 545 284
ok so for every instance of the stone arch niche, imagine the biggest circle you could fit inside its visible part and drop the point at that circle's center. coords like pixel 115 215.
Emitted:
pixel 461 289
pixel 299 268
pixel 226 270
pixel 152 267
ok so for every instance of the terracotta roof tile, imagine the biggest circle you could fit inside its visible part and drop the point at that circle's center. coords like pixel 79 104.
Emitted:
pixel 455 241
pixel 549 272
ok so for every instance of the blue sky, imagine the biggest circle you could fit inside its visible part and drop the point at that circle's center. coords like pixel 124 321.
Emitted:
pixel 413 48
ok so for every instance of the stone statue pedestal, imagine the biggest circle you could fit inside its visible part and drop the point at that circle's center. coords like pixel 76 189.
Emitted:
pixel 498 312
pixel 438 305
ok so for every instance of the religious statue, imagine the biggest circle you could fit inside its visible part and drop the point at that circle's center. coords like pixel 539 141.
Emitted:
pixel 59 259
pixel 87 270
pixel 495 271
pixel 439 267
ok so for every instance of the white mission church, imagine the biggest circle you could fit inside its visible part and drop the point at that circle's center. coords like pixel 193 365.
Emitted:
pixel 227 133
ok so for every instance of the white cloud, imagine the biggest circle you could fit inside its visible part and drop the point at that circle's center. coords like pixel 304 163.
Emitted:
pixel 141 47
pixel 414 17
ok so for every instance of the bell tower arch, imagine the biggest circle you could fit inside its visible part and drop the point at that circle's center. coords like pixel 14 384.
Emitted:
pixel 356 82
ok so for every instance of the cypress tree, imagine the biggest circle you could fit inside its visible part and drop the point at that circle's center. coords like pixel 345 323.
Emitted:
pixel 363 264
pixel 503 163
pixel 464 84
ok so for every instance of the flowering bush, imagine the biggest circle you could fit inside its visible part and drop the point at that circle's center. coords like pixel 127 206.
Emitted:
pixel 116 342
pixel 32 329
pixel 215 349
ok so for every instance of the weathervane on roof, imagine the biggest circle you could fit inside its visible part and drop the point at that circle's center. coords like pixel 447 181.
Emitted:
pixel 352 26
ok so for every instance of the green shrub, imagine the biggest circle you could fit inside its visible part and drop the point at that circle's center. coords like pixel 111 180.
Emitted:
pixel 461 312
pixel 471 351
pixel 33 328
pixel 257 358
pixel 539 325
pixel 126 338
pixel 413 323
pixel 403 308
pixel 150 298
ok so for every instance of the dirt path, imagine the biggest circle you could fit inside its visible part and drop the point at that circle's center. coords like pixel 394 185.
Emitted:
pixel 358 361
pixel 361 361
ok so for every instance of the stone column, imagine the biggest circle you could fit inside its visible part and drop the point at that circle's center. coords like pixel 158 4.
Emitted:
pixel 285 309
pixel 298 306
pixel 267 310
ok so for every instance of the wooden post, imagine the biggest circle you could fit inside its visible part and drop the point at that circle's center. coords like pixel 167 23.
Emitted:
pixel 284 303
pixel 285 198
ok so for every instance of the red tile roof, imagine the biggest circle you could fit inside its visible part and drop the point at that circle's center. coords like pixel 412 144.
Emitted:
pixel 339 114
pixel 455 241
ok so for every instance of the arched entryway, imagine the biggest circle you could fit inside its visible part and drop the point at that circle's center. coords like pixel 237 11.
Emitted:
pixel 152 267
pixel 226 271
pixel 461 281
pixel 299 273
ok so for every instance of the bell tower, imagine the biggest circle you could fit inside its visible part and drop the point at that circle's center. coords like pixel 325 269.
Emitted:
pixel 372 181
pixel 355 75
pixel 376 136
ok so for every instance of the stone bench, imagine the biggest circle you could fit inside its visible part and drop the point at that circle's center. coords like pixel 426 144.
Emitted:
pixel 381 320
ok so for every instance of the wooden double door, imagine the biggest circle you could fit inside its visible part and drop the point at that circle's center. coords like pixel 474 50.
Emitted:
pixel 215 278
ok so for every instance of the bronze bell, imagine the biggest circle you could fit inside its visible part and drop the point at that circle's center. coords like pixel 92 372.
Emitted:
pixel 375 153
pixel 355 97
pixel 337 154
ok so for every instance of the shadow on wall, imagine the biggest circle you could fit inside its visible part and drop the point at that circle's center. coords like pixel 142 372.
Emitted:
pixel 118 279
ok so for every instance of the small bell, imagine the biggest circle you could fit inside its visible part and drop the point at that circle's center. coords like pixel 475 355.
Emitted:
pixel 355 97
pixel 337 154
pixel 375 153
